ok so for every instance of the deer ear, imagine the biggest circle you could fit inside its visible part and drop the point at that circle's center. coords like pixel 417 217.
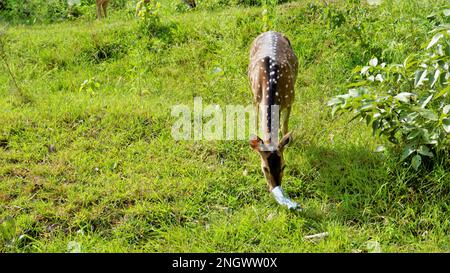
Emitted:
pixel 285 140
pixel 255 143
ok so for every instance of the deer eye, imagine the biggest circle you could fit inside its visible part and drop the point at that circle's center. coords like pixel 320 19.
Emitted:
pixel 266 169
pixel 282 168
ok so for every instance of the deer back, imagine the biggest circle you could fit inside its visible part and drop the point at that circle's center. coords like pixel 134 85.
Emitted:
pixel 272 72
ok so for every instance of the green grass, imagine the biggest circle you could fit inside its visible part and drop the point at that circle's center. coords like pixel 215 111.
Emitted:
pixel 118 182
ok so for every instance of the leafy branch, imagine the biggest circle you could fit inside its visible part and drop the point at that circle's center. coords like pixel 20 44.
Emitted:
pixel 408 103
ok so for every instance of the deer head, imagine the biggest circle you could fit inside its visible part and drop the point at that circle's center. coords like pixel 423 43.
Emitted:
pixel 272 161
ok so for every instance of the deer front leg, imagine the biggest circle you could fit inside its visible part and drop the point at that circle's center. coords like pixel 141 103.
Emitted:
pixel 256 121
pixel 285 117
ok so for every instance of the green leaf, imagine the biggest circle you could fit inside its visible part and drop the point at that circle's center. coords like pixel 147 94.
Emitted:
pixel 409 61
pixel 424 150
pixel 366 107
pixel 368 119
pixel 432 16
pixel 428 114
pixel 446 124
pixel 443 92
pixel 414 134
pixel 407 152
pixel 355 117
pixel 426 101
pixel 446 12
pixel 426 136
pixel 416 161
pixel 446 109
pixel 404 96
pixel 354 93
pixel 435 39
pixel 334 101
pixel 443 80
pixel 419 77
pixel 364 70
pixel 334 110
pixel 435 77
pixel 375 127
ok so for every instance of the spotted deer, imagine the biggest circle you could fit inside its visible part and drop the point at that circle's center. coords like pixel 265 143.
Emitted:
pixel 272 72
pixel 102 5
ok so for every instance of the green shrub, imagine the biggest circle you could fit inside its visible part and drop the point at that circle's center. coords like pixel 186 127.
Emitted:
pixel 31 11
pixel 268 15
pixel 408 103
pixel 119 4
pixel 216 4
pixel 2 5
pixel 148 13
pixel 56 10
pixel 38 11
pixel 15 9
pixel 156 33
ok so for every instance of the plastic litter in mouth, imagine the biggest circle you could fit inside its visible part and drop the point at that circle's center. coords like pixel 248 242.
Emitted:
pixel 283 200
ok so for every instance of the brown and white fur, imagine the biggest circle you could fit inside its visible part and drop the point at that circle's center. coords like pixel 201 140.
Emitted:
pixel 190 3
pixel 102 5
pixel 272 72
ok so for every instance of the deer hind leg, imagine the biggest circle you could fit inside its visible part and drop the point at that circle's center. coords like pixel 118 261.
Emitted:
pixel 105 6
pixel 99 11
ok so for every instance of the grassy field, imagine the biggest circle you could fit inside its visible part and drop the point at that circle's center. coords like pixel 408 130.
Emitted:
pixel 101 93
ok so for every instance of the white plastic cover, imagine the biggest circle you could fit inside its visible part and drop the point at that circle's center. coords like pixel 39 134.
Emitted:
pixel 283 200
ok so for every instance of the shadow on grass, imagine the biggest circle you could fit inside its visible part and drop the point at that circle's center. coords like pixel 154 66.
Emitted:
pixel 347 179
pixel 355 185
